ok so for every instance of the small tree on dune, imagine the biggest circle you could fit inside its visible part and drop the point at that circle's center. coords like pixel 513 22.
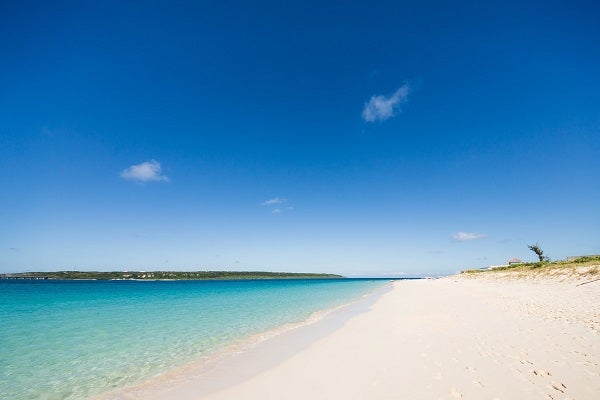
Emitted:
pixel 538 251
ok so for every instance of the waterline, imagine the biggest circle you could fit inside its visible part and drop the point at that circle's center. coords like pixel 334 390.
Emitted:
pixel 72 340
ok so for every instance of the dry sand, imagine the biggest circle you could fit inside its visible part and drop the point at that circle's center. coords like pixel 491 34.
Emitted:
pixel 456 337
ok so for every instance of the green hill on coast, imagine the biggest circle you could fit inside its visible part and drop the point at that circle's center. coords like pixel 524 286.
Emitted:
pixel 165 275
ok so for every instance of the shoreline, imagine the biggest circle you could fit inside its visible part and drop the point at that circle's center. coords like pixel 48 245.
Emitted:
pixel 449 338
pixel 237 362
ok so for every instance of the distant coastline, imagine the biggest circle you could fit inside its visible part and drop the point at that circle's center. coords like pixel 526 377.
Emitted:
pixel 165 275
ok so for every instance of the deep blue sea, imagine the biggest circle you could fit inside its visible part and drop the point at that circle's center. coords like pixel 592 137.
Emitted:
pixel 76 339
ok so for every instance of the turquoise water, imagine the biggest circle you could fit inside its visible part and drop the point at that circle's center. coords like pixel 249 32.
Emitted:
pixel 75 339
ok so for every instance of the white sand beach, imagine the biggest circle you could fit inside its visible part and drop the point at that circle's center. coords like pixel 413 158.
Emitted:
pixel 458 337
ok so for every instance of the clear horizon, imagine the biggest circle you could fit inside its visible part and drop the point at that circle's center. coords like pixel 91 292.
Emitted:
pixel 373 139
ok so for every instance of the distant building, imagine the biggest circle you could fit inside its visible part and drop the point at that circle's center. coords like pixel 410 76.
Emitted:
pixel 514 261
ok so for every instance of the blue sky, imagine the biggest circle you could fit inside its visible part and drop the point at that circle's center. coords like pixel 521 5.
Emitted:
pixel 362 138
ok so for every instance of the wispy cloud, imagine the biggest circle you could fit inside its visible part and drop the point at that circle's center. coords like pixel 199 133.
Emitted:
pixel 276 205
pixel 148 171
pixel 466 236
pixel 273 201
pixel 380 107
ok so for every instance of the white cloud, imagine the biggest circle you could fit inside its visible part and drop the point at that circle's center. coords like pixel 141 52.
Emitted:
pixel 380 108
pixel 148 171
pixel 273 201
pixel 276 205
pixel 466 236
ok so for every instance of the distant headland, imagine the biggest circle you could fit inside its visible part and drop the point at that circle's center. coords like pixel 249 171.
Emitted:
pixel 164 275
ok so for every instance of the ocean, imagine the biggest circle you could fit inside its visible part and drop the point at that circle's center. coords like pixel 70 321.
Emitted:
pixel 76 339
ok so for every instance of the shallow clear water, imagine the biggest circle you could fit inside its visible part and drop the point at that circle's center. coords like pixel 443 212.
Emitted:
pixel 75 339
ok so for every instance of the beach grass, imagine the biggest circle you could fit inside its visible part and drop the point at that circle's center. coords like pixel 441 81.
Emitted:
pixel 581 267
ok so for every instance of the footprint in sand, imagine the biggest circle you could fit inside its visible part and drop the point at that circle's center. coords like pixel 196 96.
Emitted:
pixel 557 386
pixel 455 393
pixel 477 383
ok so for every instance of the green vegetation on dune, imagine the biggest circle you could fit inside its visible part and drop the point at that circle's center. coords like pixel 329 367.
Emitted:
pixel 163 275
pixel 544 266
